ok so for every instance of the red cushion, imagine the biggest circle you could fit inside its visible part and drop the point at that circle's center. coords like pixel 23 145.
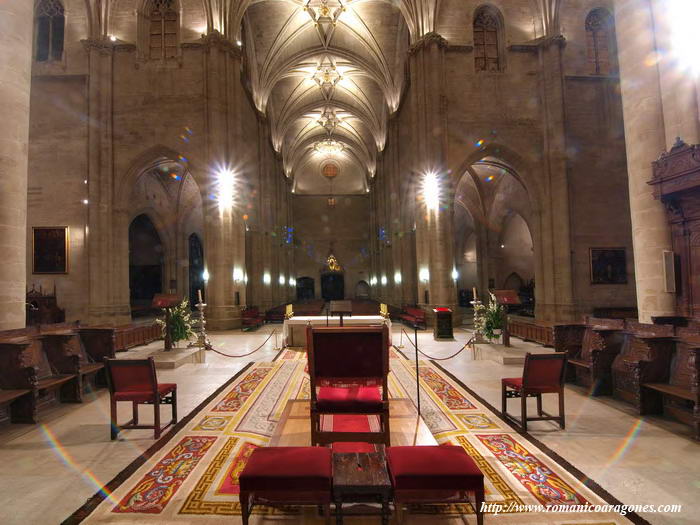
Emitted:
pixel 288 469
pixel 163 389
pixel 360 398
pixel 516 383
pixel 433 468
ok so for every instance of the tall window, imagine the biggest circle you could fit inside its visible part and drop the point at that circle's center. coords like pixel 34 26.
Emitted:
pixel 487 26
pixel 163 29
pixel 600 42
pixel 50 23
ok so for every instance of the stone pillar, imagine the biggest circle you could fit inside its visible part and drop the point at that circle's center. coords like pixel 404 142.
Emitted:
pixel 645 141
pixel 434 228
pixel 16 19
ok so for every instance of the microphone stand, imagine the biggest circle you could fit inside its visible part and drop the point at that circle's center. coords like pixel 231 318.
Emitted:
pixel 415 335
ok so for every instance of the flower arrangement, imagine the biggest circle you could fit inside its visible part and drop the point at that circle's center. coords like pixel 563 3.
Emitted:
pixel 180 322
pixel 489 318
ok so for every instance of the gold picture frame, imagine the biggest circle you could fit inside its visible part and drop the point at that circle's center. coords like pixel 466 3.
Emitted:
pixel 50 249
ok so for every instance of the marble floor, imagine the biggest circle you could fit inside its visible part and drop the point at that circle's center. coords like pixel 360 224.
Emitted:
pixel 49 470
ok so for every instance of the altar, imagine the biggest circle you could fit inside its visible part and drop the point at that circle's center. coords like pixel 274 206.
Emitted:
pixel 294 329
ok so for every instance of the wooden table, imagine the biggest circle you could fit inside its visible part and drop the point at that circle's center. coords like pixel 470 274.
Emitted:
pixel 361 477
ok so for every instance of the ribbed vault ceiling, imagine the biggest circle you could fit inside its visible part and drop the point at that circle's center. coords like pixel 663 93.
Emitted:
pixel 326 70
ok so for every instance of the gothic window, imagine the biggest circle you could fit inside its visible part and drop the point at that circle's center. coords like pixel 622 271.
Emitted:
pixel 600 34
pixel 163 28
pixel 487 28
pixel 49 26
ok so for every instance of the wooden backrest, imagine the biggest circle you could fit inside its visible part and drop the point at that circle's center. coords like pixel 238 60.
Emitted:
pixel 131 375
pixel 348 353
pixel 684 367
pixel 544 370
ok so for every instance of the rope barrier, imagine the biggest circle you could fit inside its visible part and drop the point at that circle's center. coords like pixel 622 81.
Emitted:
pixel 249 353
pixel 470 342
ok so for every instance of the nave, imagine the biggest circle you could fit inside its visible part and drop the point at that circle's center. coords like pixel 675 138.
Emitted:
pixel 56 466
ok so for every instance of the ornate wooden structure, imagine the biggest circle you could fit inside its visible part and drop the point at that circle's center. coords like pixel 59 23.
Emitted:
pixel 678 394
pixel 42 308
pixel 563 337
pixel 644 358
pixel 591 367
pixel 676 183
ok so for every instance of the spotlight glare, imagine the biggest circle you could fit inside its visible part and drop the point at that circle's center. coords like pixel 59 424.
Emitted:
pixel 205 275
pixel 225 183
pixel 684 35
pixel 431 190
pixel 267 279
pixel 397 278
pixel 424 275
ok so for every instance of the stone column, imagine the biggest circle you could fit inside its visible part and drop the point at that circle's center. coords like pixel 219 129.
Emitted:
pixel 645 141
pixel 16 17
pixel 434 228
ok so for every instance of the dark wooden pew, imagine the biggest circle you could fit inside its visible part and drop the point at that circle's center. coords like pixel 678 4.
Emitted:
pixel 678 395
pixel 645 357
pixel 67 354
pixel 26 366
pixel 601 343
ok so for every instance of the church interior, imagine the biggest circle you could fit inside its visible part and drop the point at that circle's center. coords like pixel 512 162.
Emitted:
pixel 350 261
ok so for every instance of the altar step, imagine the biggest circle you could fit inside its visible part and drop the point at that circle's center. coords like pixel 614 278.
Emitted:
pixel 175 358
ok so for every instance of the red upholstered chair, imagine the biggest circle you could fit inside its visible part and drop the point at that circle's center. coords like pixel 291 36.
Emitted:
pixel 434 474
pixel 348 367
pixel 288 476
pixel 542 374
pixel 134 380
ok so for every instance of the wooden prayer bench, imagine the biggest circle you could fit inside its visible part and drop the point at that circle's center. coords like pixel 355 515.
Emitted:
pixel 414 316
pixel 591 367
pixel 679 394
pixel 122 337
pixel 252 318
pixel 645 357
pixel 24 365
pixel 563 337
pixel 67 354
pixel 13 403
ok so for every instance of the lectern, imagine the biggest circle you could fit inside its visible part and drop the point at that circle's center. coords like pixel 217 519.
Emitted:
pixel 341 308
pixel 506 298
pixel 442 329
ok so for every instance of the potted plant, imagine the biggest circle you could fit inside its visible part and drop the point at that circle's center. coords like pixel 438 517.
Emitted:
pixel 489 319
pixel 180 323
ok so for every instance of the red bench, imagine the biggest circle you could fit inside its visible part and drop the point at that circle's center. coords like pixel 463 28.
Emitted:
pixel 252 318
pixel 413 316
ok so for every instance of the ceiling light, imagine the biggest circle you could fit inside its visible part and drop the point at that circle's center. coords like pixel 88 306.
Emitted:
pixel 329 146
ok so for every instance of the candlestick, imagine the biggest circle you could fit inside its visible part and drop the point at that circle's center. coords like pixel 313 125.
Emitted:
pixel 199 294
pixel 473 293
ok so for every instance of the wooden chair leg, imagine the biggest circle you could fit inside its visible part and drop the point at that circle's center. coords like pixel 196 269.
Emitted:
pixel 398 511
pixel 113 427
pixel 156 418
pixel 539 405
pixel 562 414
pixel 523 411
pixel 386 428
pixel 245 509
pixel 174 400
pixel 135 412
pixel 478 502
pixel 327 513
pixel 504 400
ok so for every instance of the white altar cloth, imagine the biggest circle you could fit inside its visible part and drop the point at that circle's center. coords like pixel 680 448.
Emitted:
pixel 294 329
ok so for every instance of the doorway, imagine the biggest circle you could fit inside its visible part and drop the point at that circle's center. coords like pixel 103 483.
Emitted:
pixel 305 288
pixel 196 269
pixel 333 286
pixel 145 265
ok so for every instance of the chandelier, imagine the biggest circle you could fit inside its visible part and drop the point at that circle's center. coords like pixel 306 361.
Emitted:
pixel 328 120
pixel 326 76
pixel 329 146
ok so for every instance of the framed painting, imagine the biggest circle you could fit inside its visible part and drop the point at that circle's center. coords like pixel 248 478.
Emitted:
pixel 50 249
pixel 608 266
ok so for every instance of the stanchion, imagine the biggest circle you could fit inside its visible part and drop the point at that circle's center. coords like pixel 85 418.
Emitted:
pixel 415 332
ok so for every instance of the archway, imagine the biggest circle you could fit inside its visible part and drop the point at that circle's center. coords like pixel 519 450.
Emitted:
pixel 305 288
pixel 145 264
pixel 332 286
pixel 196 268
pixel 362 290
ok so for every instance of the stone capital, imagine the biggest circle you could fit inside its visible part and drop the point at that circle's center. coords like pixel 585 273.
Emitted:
pixel 426 41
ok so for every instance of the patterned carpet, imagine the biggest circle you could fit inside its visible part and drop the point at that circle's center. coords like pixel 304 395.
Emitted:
pixel 193 476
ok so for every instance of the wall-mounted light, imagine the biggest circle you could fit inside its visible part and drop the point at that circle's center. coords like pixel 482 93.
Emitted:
pixel 112 38
pixel 205 275
pixel 267 279
pixel 225 181
pixel 373 281
pixel 384 280
pixel 455 274
pixel 431 190
pixel 282 280
pixel 397 278
pixel 85 201
pixel 292 281
pixel 237 275
pixel 424 275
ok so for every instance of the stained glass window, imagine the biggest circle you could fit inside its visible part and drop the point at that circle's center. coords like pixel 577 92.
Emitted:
pixel 486 40
pixel 49 29
pixel 163 29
